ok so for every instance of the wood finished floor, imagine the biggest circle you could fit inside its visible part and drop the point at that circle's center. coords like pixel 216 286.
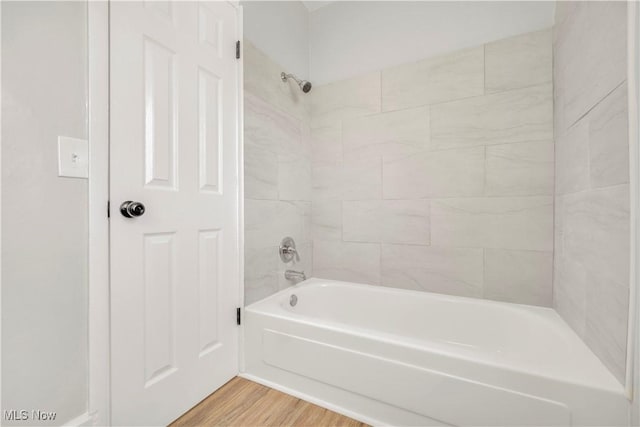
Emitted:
pixel 242 402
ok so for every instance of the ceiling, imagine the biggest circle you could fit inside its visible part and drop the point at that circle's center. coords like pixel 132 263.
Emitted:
pixel 315 4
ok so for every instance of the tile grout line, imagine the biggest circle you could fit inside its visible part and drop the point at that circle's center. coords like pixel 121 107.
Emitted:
pixel 596 104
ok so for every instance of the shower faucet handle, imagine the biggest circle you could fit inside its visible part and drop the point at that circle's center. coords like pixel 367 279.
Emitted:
pixel 292 252
pixel 288 250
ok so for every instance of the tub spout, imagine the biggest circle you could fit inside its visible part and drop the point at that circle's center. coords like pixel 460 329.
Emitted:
pixel 296 276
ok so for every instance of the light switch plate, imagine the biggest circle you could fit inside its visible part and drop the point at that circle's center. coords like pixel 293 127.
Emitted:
pixel 73 157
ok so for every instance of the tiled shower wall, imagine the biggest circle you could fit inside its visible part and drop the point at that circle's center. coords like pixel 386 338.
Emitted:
pixel 591 280
pixel 438 175
pixel 277 174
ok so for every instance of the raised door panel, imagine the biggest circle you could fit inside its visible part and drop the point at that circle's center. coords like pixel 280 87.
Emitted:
pixel 160 115
pixel 159 309
pixel 210 130
pixel 208 290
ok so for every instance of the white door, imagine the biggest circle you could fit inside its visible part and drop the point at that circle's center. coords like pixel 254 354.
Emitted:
pixel 174 148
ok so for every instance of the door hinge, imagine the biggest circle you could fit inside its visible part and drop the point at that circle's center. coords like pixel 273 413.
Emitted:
pixel 238 49
pixel 238 316
pixel 109 209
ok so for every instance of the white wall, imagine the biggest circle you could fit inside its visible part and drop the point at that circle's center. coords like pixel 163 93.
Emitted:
pixel 351 38
pixel 280 29
pixel 44 218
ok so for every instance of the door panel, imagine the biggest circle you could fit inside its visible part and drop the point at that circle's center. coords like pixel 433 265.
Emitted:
pixel 209 127
pixel 173 147
pixel 160 115
pixel 209 282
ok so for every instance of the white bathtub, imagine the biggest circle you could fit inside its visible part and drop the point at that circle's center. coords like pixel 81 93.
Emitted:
pixel 388 356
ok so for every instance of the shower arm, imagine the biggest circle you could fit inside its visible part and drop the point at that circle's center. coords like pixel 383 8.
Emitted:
pixel 285 76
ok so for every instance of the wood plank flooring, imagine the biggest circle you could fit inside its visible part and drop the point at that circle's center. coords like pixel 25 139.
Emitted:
pixel 242 402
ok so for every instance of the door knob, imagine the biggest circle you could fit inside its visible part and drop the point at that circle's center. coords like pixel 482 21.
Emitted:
pixel 131 209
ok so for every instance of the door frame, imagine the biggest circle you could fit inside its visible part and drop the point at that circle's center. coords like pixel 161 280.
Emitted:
pixel 632 385
pixel 99 296
pixel 99 316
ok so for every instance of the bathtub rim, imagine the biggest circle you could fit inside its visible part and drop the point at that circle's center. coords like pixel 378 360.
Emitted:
pixel 607 382
pixel 318 282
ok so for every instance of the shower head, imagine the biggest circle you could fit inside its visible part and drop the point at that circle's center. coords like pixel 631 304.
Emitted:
pixel 304 85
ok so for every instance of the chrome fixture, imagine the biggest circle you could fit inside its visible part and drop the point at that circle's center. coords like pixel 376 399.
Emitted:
pixel 130 209
pixel 296 276
pixel 288 250
pixel 304 85
pixel 293 300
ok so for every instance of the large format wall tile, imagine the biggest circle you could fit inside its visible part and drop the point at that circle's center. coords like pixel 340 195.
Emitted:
pixel 355 97
pixel 518 276
pixel 558 224
pixel 260 273
pixel 294 177
pixel 523 169
pixel 361 221
pixel 455 271
pixel 444 78
pixel 564 9
pixel 560 123
pixel 268 128
pixel 268 221
pixel 326 143
pixel 596 231
pixel 504 223
pixel 572 159
pixel 592 269
pixel 590 56
pixel 606 322
pixel 569 292
pixel 609 140
pixel 392 133
pixel 380 171
pixel 260 174
pixel 261 223
pixel 362 179
pixel 326 220
pixel 262 79
pixel 592 220
pixel 277 157
pixel 294 219
pixel 594 152
pixel 447 173
pixel 518 62
pixel 326 181
pixel 352 262
pixel 522 115
pixel 386 221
